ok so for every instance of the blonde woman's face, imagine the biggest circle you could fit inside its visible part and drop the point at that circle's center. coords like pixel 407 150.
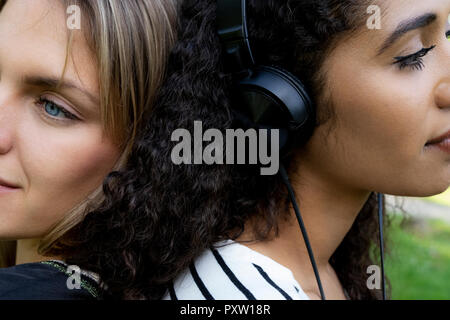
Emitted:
pixel 52 146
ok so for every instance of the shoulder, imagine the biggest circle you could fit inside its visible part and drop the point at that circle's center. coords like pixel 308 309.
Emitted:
pixel 48 280
pixel 231 271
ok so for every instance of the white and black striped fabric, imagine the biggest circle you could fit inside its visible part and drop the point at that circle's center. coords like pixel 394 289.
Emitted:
pixel 231 271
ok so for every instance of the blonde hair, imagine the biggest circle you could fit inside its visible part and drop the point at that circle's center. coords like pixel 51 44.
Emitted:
pixel 131 41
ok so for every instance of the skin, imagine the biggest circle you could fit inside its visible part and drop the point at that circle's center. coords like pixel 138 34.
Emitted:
pixel 384 117
pixel 56 161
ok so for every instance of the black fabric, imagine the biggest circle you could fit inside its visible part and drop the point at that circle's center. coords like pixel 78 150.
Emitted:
pixel 270 281
pixel 172 293
pixel 231 275
pixel 40 281
pixel 199 283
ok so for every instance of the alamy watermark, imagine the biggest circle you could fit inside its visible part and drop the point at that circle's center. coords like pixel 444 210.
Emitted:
pixel 74 20
pixel 374 21
pixel 374 280
pixel 74 280
pixel 234 145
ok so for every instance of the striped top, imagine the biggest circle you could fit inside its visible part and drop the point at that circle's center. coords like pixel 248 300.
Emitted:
pixel 231 271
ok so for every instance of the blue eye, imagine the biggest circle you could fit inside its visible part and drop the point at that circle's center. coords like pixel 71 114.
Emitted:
pixel 54 111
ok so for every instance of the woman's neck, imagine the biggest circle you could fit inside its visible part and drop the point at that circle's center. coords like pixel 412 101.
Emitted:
pixel 27 251
pixel 328 210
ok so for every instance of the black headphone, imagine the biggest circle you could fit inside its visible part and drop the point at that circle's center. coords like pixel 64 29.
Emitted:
pixel 269 97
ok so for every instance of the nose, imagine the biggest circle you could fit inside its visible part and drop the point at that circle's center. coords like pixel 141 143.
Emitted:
pixel 442 94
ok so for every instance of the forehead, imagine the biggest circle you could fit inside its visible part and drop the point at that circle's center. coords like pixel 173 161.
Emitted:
pixel 35 32
pixel 395 11
pixel 384 18
pixel 24 14
pixel 391 13
pixel 24 24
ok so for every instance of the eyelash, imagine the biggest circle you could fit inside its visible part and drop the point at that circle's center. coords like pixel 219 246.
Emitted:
pixel 414 61
pixel 41 103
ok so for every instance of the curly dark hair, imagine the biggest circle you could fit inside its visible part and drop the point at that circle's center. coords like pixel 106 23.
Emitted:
pixel 158 216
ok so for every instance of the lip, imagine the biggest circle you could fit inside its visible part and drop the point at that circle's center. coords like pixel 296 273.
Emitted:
pixel 439 139
pixel 443 145
pixel 6 190
pixel 6 184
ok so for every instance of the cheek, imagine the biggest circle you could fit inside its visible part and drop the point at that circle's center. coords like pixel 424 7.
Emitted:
pixel 381 127
pixel 384 117
pixel 62 168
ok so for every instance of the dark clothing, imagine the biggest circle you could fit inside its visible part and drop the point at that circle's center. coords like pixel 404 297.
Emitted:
pixel 47 280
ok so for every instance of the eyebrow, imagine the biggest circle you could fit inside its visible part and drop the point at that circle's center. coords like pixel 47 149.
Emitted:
pixel 406 26
pixel 56 83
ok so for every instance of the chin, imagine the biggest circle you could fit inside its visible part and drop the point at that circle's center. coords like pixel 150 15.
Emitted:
pixel 426 190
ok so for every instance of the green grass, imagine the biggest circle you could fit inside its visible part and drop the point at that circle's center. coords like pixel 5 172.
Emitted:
pixel 443 198
pixel 419 264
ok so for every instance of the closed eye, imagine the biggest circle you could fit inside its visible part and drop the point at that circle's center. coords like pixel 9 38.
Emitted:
pixel 413 61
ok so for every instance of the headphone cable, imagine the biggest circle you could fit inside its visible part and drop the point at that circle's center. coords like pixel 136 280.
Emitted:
pixel 380 223
pixel 286 181
pixel 285 178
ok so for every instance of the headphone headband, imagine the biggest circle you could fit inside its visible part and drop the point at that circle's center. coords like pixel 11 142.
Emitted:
pixel 233 33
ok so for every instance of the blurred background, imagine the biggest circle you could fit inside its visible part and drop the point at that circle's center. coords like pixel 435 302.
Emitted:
pixel 418 262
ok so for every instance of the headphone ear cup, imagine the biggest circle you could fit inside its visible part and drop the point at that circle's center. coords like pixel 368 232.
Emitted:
pixel 272 97
pixel 297 83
